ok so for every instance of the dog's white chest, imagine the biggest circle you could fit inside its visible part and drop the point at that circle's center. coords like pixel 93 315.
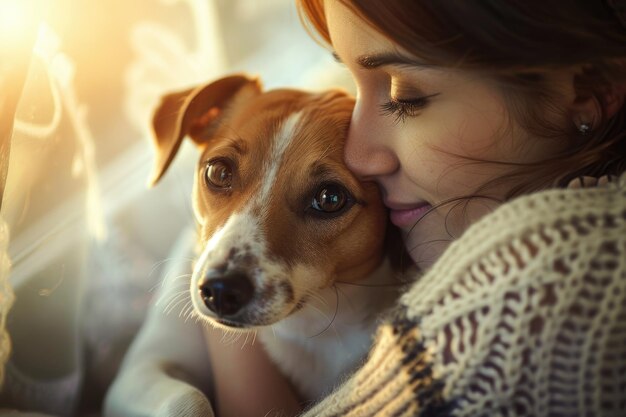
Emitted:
pixel 318 346
pixel 318 362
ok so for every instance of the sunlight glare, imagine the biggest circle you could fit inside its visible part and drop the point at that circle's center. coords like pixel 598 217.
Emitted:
pixel 12 16
pixel 17 20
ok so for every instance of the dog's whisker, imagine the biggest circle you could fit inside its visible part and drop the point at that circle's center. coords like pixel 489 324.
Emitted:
pixel 168 281
pixel 194 315
pixel 313 295
pixel 180 277
pixel 334 315
pixel 236 337
pixel 169 297
pixel 190 310
pixel 200 320
pixel 245 341
pixel 187 308
pixel 167 275
pixel 164 261
pixel 173 305
pixel 346 296
pixel 349 301
pixel 321 312
pixel 184 312
pixel 174 301
pixel 230 337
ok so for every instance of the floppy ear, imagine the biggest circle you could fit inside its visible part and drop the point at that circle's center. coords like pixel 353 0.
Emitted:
pixel 192 112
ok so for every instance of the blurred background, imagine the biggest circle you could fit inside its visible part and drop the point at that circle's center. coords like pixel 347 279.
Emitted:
pixel 88 240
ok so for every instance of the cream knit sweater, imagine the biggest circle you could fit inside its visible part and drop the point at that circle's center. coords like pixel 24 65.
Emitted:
pixel 524 315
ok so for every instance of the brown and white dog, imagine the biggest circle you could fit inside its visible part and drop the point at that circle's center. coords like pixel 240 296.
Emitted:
pixel 291 244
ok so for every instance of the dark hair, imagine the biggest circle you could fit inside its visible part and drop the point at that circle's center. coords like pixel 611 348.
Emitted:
pixel 519 43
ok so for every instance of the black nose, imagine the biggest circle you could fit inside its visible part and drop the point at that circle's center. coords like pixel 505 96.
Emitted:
pixel 226 295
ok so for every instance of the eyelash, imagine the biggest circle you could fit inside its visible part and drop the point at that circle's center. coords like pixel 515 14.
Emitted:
pixel 402 109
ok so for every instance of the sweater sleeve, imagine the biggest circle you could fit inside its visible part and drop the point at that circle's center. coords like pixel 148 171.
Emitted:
pixel 523 315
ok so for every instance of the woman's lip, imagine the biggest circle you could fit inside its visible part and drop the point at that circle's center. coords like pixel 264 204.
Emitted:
pixel 405 216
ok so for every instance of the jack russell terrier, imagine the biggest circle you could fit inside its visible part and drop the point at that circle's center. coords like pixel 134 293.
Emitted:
pixel 290 244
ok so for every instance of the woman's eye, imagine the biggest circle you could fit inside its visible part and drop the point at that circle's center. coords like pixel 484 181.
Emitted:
pixel 219 174
pixel 403 108
pixel 330 199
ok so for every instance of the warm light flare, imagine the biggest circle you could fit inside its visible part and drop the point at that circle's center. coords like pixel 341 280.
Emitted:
pixel 18 20
pixel 13 15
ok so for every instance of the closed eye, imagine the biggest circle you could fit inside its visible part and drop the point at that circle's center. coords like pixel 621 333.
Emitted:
pixel 403 108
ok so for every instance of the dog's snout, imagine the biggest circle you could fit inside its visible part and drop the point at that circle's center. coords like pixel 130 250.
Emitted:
pixel 228 294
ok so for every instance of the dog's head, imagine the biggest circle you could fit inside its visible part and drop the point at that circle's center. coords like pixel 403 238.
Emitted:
pixel 280 216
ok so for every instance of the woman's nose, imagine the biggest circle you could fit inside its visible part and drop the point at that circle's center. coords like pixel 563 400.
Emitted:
pixel 369 152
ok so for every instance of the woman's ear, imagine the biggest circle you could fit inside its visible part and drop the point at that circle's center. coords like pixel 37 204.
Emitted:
pixel 612 100
pixel 595 99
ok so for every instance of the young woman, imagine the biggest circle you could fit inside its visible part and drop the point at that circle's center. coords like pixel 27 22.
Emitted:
pixel 496 130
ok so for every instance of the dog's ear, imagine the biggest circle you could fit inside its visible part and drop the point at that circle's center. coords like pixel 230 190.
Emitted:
pixel 192 112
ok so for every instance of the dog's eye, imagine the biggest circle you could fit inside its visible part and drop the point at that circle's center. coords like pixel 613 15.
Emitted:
pixel 330 198
pixel 219 174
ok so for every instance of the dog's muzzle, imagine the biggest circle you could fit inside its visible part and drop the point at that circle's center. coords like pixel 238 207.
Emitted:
pixel 226 295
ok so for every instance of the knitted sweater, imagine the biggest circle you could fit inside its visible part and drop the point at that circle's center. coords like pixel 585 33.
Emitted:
pixel 524 315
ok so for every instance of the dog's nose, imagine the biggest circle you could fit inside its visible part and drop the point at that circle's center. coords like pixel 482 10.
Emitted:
pixel 226 295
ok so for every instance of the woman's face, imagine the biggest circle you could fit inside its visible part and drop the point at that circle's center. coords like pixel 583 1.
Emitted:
pixel 418 131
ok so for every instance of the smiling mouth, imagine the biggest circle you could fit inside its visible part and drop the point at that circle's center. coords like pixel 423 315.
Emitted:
pixel 407 217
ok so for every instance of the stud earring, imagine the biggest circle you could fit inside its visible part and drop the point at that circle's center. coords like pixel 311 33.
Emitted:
pixel 584 128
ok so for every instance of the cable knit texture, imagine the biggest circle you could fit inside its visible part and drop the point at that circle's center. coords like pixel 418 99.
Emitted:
pixel 524 315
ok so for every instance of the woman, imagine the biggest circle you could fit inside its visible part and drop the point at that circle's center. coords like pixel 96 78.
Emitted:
pixel 494 125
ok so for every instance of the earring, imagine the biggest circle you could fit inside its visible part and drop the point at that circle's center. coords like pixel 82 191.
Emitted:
pixel 584 128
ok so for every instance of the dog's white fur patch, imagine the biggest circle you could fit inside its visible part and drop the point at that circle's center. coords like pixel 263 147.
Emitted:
pixel 279 145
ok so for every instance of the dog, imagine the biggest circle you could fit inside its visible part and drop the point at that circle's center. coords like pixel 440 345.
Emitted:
pixel 291 245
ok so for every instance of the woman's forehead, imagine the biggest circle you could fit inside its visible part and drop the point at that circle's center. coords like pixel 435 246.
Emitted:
pixel 349 31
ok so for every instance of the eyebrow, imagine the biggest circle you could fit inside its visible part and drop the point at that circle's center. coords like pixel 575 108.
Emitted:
pixel 372 61
pixel 237 144
pixel 322 170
